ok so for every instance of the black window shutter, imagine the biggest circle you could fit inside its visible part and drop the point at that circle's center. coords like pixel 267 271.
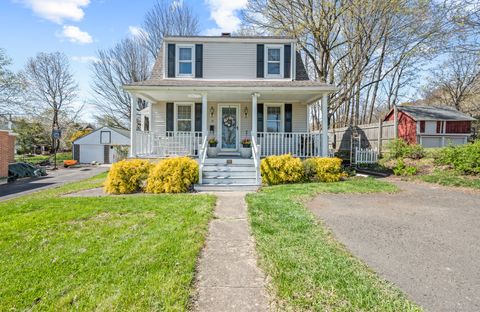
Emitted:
pixel 170 120
pixel 287 51
pixel 288 117
pixel 171 61
pixel 198 60
pixel 259 117
pixel 260 60
pixel 198 116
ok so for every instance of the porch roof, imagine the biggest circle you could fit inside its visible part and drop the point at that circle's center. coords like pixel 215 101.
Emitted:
pixel 233 91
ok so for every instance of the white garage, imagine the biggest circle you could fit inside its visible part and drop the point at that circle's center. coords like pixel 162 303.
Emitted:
pixel 105 146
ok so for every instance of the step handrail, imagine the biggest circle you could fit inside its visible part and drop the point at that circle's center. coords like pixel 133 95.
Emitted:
pixel 256 160
pixel 203 156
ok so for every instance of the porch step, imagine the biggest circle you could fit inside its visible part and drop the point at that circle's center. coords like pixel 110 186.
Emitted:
pixel 229 161
pixel 225 188
pixel 221 174
pixel 229 172
pixel 228 168
pixel 229 181
pixel 227 154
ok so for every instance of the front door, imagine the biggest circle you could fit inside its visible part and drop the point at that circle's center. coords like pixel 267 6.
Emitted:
pixel 229 127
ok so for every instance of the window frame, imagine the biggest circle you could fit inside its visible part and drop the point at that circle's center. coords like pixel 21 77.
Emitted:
pixel 109 137
pixel 282 61
pixel 192 116
pixel 282 116
pixel 178 61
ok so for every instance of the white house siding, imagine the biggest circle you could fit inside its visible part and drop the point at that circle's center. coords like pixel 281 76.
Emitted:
pixel 159 125
pixel 299 111
pixel 229 60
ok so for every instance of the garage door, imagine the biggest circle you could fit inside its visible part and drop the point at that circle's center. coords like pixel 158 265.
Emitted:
pixel 89 153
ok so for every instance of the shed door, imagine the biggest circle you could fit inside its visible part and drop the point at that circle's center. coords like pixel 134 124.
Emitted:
pixel 91 152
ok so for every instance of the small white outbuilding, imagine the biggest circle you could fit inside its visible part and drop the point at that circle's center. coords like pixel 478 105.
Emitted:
pixel 105 145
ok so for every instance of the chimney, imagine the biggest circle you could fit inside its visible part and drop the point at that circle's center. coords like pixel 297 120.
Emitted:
pixel 226 34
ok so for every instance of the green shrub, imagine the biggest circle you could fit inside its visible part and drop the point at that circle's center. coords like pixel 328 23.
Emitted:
pixel 463 158
pixel 399 148
pixel 127 176
pixel 281 169
pixel 403 170
pixel 323 169
pixel 173 175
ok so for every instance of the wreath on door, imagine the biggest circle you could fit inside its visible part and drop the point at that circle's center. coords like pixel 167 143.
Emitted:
pixel 229 121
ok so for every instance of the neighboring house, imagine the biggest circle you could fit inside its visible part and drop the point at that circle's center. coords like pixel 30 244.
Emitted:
pixel 102 146
pixel 7 153
pixel 229 88
pixel 432 126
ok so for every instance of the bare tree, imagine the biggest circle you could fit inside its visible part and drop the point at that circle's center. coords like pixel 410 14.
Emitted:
pixel 11 86
pixel 131 60
pixel 456 82
pixel 128 61
pixel 359 46
pixel 51 86
pixel 167 17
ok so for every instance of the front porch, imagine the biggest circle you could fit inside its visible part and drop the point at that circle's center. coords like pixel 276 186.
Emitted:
pixel 275 120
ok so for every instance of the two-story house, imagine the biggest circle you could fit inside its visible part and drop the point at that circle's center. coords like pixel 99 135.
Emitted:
pixel 229 88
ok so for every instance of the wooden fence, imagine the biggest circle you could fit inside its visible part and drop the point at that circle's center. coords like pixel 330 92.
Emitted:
pixel 372 136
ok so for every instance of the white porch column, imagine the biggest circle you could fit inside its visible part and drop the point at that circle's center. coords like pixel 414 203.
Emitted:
pixel 204 116
pixel 133 125
pixel 325 125
pixel 254 115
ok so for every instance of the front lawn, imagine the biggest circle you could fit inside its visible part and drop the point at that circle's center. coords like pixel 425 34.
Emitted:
pixel 451 178
pixel 119 253
pixel 36 159
pixel 309 270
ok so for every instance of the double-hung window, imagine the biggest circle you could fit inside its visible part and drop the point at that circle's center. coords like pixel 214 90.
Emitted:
pixel 184 117
pixel 185 56
pixel 274 61
pixel 274 118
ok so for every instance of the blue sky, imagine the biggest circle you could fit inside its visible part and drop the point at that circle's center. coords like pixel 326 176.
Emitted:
pixel 80 27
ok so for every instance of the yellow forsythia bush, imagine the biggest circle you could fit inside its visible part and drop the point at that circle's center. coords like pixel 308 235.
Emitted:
pixel 173 175
pixel 281 169
pixel 127 176
pixel 323 169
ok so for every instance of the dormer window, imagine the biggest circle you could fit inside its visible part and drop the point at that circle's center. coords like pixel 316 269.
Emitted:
pixel 274 61
pixel 185 56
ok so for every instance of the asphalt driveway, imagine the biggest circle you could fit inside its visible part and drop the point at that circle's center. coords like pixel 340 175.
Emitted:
pixel 425 239
pixel 54 178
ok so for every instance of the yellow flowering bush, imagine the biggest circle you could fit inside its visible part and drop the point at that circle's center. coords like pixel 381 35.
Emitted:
pixel 173 175
pixel 281 169
pixel 323 169
pixel 127 176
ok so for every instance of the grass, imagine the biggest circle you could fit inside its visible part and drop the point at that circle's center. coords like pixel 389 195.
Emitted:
pixel 122 253
pixel 35 159
pixel 451 178
pixel 309 270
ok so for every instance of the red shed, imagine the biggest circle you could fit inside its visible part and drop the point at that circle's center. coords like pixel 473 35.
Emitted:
pixel 432 126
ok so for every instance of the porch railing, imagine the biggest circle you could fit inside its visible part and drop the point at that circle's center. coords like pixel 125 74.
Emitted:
pixel 256 160
pixel 299 144
pixel 173 143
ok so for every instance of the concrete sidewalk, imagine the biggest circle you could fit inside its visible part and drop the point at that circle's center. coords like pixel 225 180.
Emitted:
pixel 228 277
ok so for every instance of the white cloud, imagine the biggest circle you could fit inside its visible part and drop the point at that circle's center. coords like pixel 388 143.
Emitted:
pixel 85 59
pixel 58 10
pixel 135 30
pixel 223 12
pixel 75 35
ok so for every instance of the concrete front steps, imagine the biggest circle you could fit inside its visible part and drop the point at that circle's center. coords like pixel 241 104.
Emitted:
pixel 228 172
